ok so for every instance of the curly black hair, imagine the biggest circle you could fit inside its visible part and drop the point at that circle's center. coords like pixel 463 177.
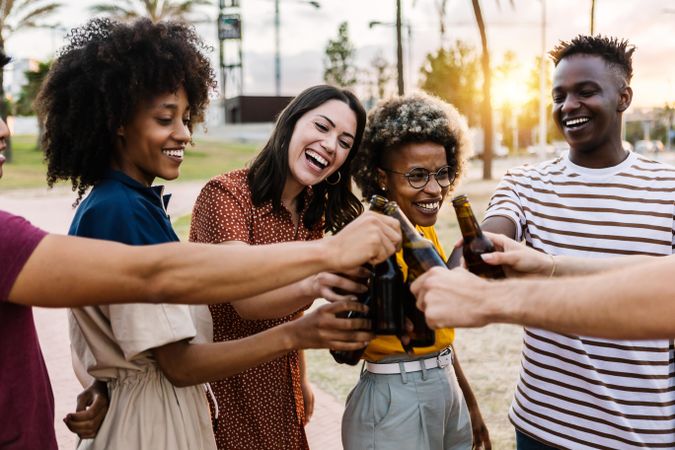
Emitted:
pixel 618 53
pixel 97 82
pixel 334 203
pixel 415 118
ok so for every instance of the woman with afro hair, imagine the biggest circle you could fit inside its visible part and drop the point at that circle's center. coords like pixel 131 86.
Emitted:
pixel 413 153
pixel 118 107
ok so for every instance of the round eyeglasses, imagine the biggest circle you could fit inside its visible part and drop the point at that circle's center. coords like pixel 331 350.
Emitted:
pixel 418 177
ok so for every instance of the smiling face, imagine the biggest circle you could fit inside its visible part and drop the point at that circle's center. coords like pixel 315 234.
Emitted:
pixel 4 135
pixel 153 143
pixel 321 141
pixel 421 206
pixel 588 99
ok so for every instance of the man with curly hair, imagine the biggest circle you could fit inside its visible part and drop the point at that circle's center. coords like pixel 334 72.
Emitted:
pixel 597 200
pixel 413 153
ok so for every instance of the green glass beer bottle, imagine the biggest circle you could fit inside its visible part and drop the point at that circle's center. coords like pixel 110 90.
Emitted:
pixel 475 242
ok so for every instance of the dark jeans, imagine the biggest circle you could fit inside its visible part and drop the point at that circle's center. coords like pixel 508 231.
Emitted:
pixel 524 442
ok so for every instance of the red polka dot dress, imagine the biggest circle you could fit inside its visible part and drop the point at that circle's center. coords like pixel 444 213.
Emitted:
pixel 261 408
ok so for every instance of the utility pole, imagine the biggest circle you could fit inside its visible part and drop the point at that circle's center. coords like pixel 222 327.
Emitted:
pixel 592 17
pixel 399 49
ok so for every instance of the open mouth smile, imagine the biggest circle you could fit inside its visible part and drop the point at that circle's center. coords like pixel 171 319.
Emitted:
pixel 316 160
pixel 176 153
pixel 576 122
pixel 428 206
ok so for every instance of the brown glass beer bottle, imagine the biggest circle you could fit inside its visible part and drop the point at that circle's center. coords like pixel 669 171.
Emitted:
pixel 387 299
pixel 420 255
pixel 475 242
pixel 377 204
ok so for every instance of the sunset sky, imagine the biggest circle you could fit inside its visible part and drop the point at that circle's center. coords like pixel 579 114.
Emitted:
pixel 649 24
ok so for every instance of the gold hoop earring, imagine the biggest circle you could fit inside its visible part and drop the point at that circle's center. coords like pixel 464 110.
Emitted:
pixel 333 183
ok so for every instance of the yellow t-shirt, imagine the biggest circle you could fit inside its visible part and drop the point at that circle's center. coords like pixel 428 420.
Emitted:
pixel 383 346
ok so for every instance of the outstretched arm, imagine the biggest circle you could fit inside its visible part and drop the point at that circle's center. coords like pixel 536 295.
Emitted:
pixel 636 302
pixel 70 271
pixel 186 364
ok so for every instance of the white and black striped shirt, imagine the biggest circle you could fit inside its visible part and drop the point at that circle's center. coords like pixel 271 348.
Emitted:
pixel 588 393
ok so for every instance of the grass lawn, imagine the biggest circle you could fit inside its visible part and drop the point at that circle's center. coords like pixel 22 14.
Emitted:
pixel 202 161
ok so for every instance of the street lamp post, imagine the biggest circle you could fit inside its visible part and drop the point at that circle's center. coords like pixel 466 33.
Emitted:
pixel 277 43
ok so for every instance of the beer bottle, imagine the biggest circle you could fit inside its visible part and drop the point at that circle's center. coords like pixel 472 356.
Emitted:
pixel 420 255
pixel 352 357
pixel 387 299
pixel 475 242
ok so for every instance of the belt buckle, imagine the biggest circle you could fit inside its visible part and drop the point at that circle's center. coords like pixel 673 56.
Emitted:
pixel 444 358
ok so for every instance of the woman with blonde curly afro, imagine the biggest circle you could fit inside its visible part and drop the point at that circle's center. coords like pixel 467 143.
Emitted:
pixel 413 153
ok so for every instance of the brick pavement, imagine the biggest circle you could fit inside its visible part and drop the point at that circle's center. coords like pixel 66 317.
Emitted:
pixel 51 210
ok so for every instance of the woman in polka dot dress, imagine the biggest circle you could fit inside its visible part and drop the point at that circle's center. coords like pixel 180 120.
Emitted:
pixel 297 187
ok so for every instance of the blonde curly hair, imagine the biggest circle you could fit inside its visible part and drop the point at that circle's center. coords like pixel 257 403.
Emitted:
pixel 414 118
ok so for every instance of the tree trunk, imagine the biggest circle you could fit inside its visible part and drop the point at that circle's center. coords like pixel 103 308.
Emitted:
pixel 486 110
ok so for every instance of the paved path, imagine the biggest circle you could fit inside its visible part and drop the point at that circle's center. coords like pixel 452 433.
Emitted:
pixel 52 211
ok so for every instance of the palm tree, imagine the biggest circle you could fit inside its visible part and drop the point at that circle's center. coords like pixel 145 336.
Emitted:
pixel 155 10
pixel 14 16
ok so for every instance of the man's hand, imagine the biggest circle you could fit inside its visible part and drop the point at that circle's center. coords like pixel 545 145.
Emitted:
pixel 451 298
pixel 322 329
pixel 518 260
pixel 92 406
pixel 370 238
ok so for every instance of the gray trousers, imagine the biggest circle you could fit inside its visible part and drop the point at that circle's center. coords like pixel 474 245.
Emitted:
pixel 422 410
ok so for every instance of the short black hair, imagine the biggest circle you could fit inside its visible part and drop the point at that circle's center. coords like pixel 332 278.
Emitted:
pixel 616 52
pixel 98 81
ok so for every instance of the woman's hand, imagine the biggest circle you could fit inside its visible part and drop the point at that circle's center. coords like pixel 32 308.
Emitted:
pixel 308 400
pixel 322 329
pixel 335 287
pixel 92 406
pixel 481 436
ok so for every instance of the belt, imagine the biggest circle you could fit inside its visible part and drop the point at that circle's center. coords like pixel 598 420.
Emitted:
pixel 442 360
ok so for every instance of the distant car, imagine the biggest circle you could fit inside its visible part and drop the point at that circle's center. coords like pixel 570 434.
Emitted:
pixel 644 146
pixel 627 146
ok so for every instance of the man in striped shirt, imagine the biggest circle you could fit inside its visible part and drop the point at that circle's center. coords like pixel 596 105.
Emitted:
pixel 598 201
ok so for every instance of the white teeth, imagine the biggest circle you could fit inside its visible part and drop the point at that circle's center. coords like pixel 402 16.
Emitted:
pixel 574 122
pixel 174 153
pixel 430 206
pixel 318 157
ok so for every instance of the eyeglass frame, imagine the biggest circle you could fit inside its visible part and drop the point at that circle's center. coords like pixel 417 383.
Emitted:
pixel 429 173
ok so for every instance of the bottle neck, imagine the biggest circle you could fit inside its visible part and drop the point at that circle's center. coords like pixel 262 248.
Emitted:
pixel 467 221
pixel 409 231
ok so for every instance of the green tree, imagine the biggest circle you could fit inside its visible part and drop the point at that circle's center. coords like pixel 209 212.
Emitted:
pixel 339 67
pixel 383 74
pixel 14 16
pixel 528 120
pixel 34 78
pixel 155 10
pixel 453 74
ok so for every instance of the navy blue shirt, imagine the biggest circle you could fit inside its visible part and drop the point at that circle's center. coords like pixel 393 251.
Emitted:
pixel 121 209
